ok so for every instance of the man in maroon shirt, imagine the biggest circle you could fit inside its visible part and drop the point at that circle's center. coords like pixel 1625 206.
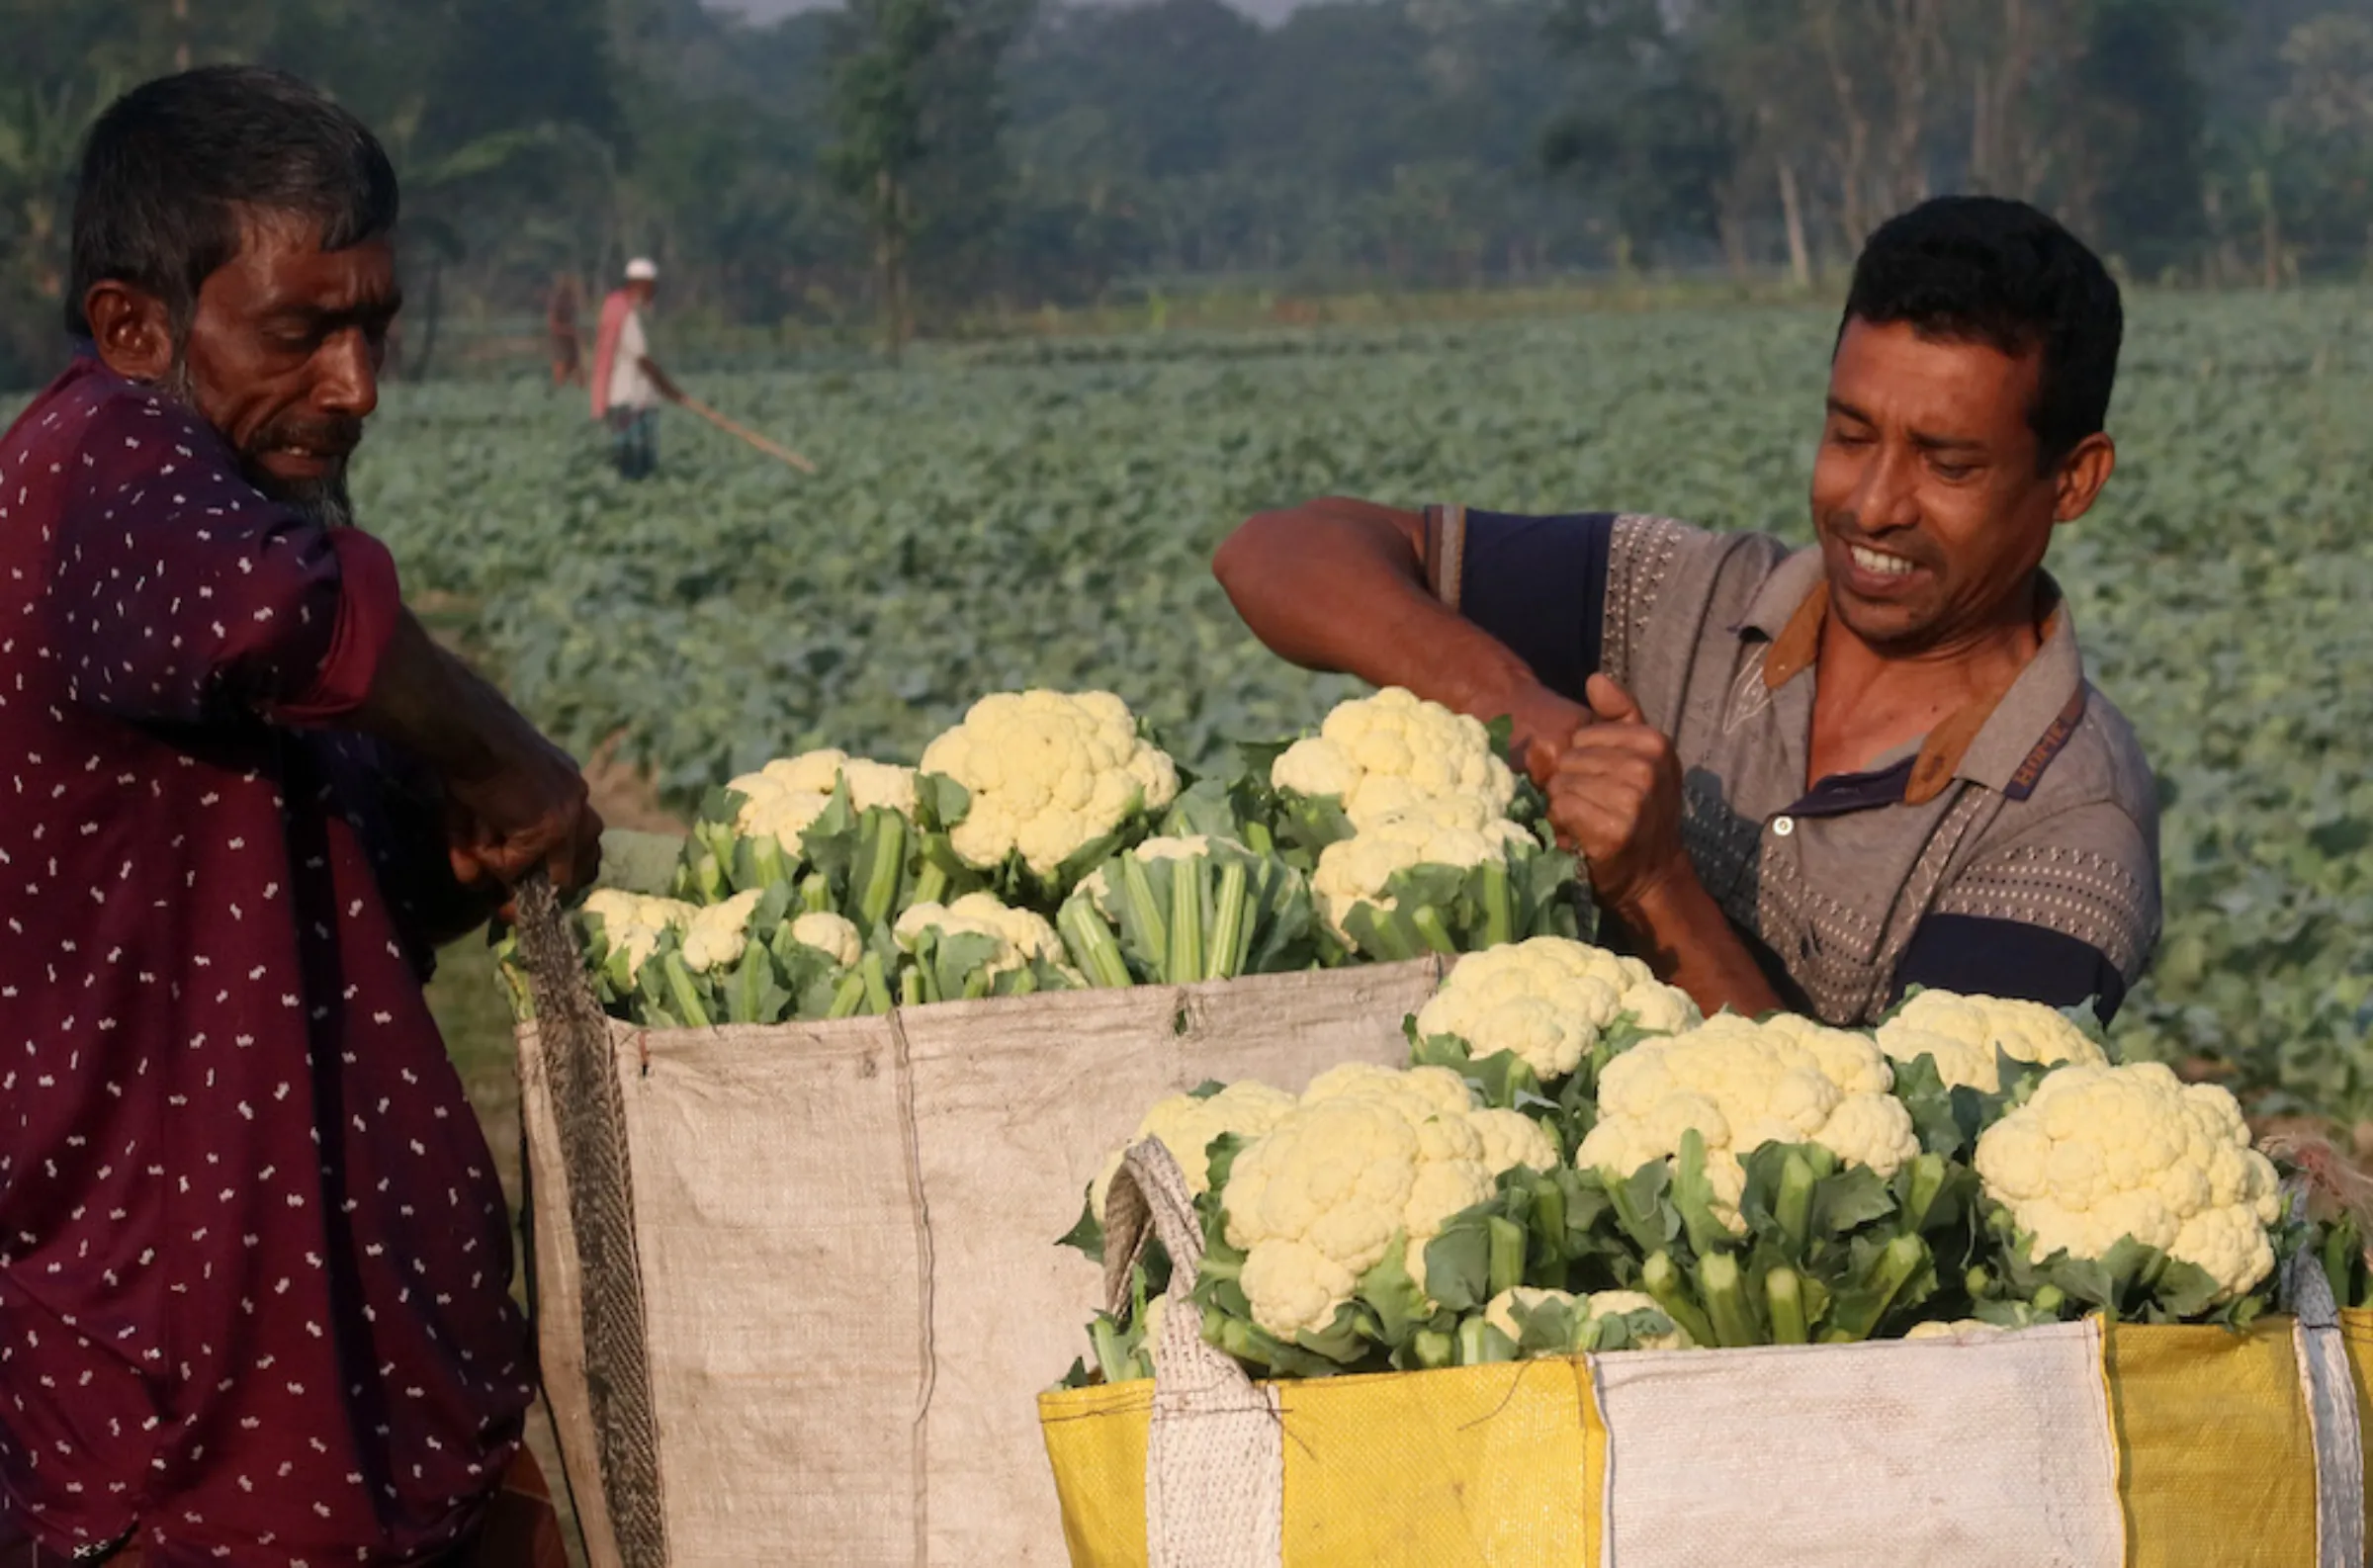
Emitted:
pixel 253 1258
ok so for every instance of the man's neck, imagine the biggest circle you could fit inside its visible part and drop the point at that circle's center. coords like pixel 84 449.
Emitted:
pixel 1869 701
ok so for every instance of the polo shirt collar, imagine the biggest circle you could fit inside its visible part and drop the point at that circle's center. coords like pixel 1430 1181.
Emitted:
pixel 2002 744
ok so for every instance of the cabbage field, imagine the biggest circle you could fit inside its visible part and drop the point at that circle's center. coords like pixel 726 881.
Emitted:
pixel 1043 515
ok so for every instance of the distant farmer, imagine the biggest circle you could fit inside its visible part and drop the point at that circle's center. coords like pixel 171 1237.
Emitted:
pixel 627 384
pixel 559 328
pixel 255 1262
pixel 1809 778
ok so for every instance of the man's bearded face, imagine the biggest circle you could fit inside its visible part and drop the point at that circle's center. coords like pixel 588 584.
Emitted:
pixel 283 354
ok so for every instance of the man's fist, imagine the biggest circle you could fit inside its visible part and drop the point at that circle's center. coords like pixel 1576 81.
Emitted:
pixel 1615 797
pixel 530 811
pixel 1542 725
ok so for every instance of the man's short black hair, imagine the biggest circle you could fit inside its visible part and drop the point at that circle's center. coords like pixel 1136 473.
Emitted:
pixel 173 165
pixel 1982 269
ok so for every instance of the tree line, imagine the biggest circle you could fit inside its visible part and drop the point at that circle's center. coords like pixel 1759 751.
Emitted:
pixel 905 163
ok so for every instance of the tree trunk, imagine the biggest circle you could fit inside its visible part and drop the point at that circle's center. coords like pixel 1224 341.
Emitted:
pixel 1853 153
pixel 429 312
pixel 1792 213
pixel 181 34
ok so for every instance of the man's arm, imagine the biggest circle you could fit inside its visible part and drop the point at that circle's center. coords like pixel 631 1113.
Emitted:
pixel 517 800
pixel 1340 585
pixel 659 378
pixel 1617 799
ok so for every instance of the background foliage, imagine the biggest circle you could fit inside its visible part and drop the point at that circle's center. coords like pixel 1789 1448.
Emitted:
pixel 1050 151
pixel 1001 516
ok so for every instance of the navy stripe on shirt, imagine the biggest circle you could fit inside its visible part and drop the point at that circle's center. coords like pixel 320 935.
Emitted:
pixel 1538 584
pixel 1984 957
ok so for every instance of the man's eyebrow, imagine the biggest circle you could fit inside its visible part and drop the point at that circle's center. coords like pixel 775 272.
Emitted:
pixel 1925 440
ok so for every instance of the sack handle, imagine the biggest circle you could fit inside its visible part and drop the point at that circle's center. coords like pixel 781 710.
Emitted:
pixel 1149 1196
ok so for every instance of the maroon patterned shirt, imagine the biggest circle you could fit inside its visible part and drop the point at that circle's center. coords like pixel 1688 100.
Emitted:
pixel 253 1257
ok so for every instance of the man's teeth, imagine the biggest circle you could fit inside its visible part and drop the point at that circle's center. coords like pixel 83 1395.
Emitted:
pixel 1884 566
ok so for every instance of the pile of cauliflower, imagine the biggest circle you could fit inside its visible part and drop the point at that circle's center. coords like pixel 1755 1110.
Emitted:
pixel 1730 1181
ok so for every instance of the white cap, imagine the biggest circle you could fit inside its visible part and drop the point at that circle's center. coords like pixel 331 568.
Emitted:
pixel 642 270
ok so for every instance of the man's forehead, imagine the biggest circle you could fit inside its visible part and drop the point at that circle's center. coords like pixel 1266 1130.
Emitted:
pixel 1883 367
pixel 281 261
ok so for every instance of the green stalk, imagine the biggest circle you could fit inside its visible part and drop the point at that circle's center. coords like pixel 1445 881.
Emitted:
pixel 1231 932
pixel 1661 1279
pixel 767 859
pixel 1479 1343
pixel 913 988
pixel 1978 1282
pixel 1693 1194
pixel 847 997
pixel 977 985
pixel 1138 891
pixel 930 885
pixel 1784 1299
pixel 1118 1365
pixel 1505 1268
pixel 814 894
pixel 1724 1290
pixel 1258 838
pixel 683 993
pixel 1092 944
pixel 877 985
pixel 1499 905
pixel 1794 1205
pixel 1431 930
pixel 1434 1349
pixel 2048 1300
pixel 1185 921
pixel 886 845
pixel 1927 1181
pixel 1548 1220
pixel 1857 1316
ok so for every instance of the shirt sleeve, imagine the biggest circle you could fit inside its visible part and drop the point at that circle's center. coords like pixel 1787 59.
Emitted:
pixel 179 593
pixel 1979 956
pixel 2074 896
pixel 1538 584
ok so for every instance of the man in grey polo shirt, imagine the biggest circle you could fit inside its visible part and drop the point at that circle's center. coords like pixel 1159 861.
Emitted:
pixel 1808 779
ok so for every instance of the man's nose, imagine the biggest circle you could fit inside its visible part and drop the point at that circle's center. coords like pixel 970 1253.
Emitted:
pixel 1887 498
pixel 349 374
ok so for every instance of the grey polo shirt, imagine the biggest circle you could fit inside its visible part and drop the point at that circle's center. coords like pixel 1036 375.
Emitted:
pixel 2012 851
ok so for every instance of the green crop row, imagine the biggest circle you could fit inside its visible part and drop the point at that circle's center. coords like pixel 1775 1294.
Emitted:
pixel 984 522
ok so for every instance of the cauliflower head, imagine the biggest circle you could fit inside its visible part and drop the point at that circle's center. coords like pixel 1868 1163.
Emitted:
pixel 833 936
pixel 1442 833
pixel 717 934
pixel 633 922
pixel 1380 754
pixel 1741 1085
pixel 783 799
pixel 1617 1303
pixel 1963 1033
pixel 1048 772
pixel 1020 936
pixel 1511 1139
pixel 1940 1329
pixel 1548 1000
pixel 1187 1125
pixel 2101 1152
pixel 1358 1164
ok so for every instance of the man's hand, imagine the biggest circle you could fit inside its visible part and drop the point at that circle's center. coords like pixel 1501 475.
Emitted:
pixel 1615 797
pixel 1543 726
pixel 531 810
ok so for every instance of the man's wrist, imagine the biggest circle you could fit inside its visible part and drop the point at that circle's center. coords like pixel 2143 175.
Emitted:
pixel 1669 904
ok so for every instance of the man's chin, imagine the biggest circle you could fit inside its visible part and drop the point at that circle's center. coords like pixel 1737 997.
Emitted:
pixel 1889 628
pixel 322 500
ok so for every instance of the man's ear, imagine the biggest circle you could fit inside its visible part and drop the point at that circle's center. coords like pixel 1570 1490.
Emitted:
pixel 133 330
pixel 2082 473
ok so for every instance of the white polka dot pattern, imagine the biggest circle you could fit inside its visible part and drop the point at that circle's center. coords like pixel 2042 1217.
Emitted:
pixel 253 1258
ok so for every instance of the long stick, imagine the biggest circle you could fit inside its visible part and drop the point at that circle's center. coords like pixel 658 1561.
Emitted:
pixel 779 453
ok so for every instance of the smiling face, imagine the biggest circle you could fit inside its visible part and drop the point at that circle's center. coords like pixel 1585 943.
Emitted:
pixel 283 356
pixel 1932 503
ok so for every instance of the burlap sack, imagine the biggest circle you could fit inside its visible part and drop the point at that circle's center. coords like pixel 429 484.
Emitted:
pixel 797 1286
